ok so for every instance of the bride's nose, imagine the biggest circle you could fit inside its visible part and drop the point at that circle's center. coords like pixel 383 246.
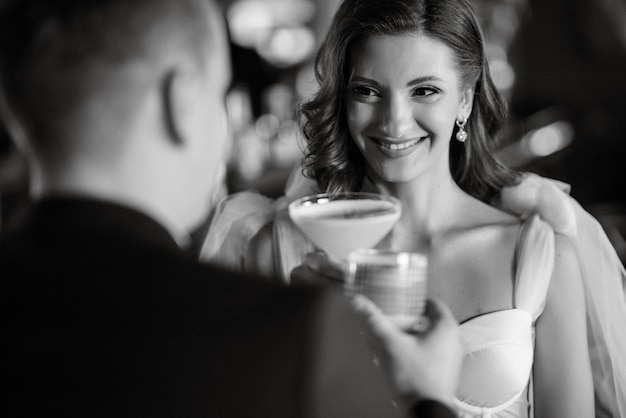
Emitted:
pixel 396 117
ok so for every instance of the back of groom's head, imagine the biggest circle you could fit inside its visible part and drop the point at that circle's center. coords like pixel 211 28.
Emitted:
pixel 123 99
pixel 58 55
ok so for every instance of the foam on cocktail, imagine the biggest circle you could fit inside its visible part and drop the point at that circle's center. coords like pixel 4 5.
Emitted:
pixel 340 226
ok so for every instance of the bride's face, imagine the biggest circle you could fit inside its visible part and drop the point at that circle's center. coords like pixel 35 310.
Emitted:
pixel 403 97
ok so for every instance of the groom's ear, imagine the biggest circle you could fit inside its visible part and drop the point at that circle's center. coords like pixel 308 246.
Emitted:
pixel 178 91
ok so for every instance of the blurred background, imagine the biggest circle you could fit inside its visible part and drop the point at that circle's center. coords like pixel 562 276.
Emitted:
pixel 561 64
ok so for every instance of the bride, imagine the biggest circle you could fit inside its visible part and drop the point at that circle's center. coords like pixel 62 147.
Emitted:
pixel 406 107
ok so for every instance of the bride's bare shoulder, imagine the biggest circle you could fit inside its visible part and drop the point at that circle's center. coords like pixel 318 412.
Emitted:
pixel 473 214
pixel 479 233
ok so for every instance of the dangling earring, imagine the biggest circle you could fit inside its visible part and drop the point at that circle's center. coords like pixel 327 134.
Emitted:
pixel 461 135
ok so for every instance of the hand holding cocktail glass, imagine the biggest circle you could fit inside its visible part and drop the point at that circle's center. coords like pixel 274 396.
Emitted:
pixel 346 226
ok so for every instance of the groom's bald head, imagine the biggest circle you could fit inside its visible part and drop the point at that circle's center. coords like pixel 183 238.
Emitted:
pixel 58 57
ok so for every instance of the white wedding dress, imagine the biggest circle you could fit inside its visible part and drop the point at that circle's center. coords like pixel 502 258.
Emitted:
pixel 496 376
pixel 498 346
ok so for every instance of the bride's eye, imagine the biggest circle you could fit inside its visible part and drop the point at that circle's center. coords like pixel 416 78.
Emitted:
pixel 364 92
pixel 425 91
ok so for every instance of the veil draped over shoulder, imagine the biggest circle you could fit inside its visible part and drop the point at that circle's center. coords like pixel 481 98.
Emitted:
pixel 604 281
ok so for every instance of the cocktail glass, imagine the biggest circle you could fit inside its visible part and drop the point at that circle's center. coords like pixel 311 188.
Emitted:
pixel 339 223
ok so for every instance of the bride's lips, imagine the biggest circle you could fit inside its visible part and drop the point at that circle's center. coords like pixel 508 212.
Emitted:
pixel 395 149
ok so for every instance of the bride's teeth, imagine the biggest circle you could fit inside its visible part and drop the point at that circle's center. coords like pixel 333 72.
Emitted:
pixel 396 147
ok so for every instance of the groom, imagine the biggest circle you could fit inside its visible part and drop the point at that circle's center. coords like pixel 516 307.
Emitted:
pixel 119 106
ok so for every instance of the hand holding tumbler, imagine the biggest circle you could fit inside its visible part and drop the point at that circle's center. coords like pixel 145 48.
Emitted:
pixel 394 281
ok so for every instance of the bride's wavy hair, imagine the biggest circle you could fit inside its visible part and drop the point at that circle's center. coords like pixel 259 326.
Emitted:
pixel 333 159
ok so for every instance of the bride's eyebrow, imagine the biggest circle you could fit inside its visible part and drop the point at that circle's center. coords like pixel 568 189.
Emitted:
pixel 420 80
pixel 414 82
pixel 358 78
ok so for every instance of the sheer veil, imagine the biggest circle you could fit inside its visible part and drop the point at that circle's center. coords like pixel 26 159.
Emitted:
pixel 604 280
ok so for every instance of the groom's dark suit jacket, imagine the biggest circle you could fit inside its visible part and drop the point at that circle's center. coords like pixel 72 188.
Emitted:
pixel 103 315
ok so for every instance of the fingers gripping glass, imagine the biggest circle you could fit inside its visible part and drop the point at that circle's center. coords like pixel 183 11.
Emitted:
pixel 394 281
